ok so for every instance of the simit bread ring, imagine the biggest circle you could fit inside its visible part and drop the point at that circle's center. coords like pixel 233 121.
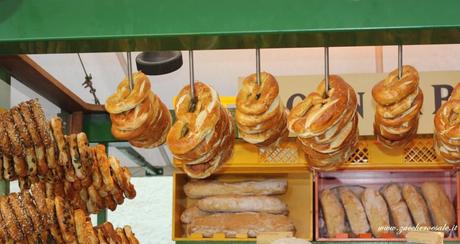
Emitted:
pixel 80 221
pixel 36 139
pixel 17 148
pixel 53 222
pixel 110 202
pixel 122 177
pixel 85 154
pixel 104 168
pixel 12 226
pixel 27 203
pixel 122 235
pixel 43 130
pixel 194 123
pixel 109 233
pixel 65 219
pixel 100 236
pixel 130 235
pixel 125 99
pixel 19 211
pixel 3 231
pixel 91 233
pixel 80 170
pixel 58 132
pixel 26 140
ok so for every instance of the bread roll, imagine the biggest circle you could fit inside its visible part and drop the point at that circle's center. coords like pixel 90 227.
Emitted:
pixel 417 205
pixel 333 213
pixel 441 208
pixel 398 208
pixel 190 213
pixel 200 189
pixel 376 211
pixel 356 214
pixel 266 204
pixel 232 224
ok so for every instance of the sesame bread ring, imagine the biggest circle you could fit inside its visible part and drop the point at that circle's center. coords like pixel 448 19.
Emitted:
pixel 84 152
pixel 130 235
pixel 110 203
pixel 69 169
pixel 80 220
pixel 43 130
pixel 27 203
pixel 100 236
pixel 80 170
pixel 39 198
pixel 125 99
pixel 104 168
pixel 91 233
pixel 122 235
pixel 117 194
pixel 109 233
pixel 12 225
pixel 3 232
pixel 65 219
pixel 256 99
pixel 19 211
pixel 52 221
pixel 95 197
pixel 26 140
pixel 8 168
pixel 96 177
pixel 122 177
pixel 192 127
pixel 17 148
pixel 392 90
pixel 58 133
pixel 36 139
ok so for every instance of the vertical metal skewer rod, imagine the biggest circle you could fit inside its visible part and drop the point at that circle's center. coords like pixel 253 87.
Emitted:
pixel 400 61
pixel 258 66
pixel 130 70
pixel 326 68
pixel 192 74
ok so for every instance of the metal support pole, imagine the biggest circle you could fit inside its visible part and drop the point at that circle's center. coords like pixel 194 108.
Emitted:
pixel 400 61
pixel 130 70
pixel 192 80
pixel 258 66
pixel 164 155
pixel 326 68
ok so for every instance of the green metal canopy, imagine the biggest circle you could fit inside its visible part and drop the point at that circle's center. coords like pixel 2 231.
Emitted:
pixel 53 26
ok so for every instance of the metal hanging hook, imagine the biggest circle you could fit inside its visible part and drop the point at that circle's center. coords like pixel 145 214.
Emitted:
pixel 326 69
pixel 258 66
pixel 400 61
pixel 192 81
pixel 130 70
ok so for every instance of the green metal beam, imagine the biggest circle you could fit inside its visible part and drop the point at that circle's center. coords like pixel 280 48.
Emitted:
pixel 51 26
pixel 5 96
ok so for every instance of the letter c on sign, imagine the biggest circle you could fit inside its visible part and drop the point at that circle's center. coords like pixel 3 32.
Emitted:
pixel 290 101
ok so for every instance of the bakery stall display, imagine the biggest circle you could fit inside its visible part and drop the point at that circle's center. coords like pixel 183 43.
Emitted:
pixel 32 217
pixel 260 114
pixel 138 115
pixel 202 137
pixel 385 208
pixel 326 125
pixel 446 141
pixel 398 104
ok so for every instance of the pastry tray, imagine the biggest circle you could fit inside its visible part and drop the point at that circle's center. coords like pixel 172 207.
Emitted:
pixel 298 198
pixel 449 179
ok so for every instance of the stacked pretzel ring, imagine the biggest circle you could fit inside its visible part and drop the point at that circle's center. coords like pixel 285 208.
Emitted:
pixel 202 137
pixel 399 101
pixel 447 129
pixel 138 115
pixel 326 124
pixel 260 114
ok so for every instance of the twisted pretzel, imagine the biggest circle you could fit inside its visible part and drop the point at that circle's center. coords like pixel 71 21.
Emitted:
pixel 391 90
pixel 125 99
pixel 254 99
pixel 193 125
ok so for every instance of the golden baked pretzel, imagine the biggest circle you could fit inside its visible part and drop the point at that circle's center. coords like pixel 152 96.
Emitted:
pixel 256 99
pixel 194 123
pixel 321 109
pixel 391 90
pixel 11 225
pixel 17 148
pixel 26 140
pixel 125 99
pixel 136 117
